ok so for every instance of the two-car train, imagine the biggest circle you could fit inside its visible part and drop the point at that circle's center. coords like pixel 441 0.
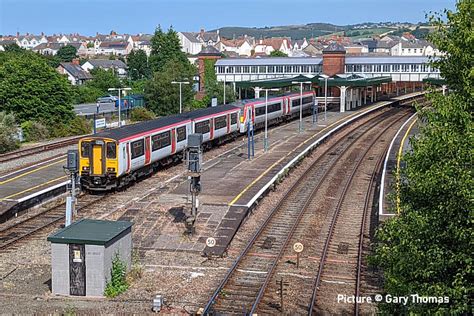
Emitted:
pixel 113 158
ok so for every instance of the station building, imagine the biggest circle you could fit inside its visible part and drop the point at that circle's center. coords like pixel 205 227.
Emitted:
pixel 351 79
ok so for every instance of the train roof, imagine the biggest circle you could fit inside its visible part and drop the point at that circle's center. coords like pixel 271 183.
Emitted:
pixel 210 111
pixel 138 128
pixel 142 127
pixel 240 103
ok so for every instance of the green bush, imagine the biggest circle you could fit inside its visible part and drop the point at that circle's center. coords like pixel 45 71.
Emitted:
pixel 118 282
pixel 8 130
pixel 34 131
pixel 77 126
pixel 141 114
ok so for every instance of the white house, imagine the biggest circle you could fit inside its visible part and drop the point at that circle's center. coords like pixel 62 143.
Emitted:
pixel 241 46
pixel 75 74
pixel 30 41
pixel 190 44
pixel 119 48
pixel 268 45
pixel 117 66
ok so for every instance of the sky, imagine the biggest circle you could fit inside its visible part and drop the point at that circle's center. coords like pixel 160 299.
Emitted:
pixel 142 16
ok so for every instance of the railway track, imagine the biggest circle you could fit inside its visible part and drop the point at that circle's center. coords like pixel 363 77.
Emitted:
pixel 38 149
pixel 246 281
pixel 14 235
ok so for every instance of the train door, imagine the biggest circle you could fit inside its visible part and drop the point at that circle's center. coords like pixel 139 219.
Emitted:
pixel 97 159
pixel 147 150
pixel 228 123
pixel 211 128
pixel 173 140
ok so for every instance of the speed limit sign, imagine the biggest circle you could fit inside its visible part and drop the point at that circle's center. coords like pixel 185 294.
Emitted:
pixel 298 247
pixel 210 242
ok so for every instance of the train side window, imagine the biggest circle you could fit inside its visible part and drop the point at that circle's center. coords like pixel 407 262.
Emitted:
pixel 220 122
pixel 233 118
pixel 111 150
pixel 202 127
pixel 181 131
pixel 161 140
pixel 138 148
pixel 85 149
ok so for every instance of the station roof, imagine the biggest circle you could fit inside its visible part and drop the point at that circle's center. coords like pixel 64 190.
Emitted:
pixel 91 232
pixel 335 81
pixel 387 59
pixel 269 61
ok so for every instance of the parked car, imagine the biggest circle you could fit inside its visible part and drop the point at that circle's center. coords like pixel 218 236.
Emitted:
pixel 107 99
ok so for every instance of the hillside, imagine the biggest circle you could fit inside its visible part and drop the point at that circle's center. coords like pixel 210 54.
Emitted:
pixel 314 30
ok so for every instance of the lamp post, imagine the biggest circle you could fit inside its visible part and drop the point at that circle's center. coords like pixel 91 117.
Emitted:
pixel 325 94
pixel 180 93
pixel 119 103
pixel 301 102
pixel 265 138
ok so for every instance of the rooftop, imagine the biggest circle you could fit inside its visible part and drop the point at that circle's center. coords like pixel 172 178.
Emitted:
pixel 91 232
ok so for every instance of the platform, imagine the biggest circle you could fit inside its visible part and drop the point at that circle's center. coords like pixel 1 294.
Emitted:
pixel 400 145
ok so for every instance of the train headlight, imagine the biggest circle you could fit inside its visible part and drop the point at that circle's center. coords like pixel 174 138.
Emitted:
pixel 241 119
pixel 85 168
pixel 111 169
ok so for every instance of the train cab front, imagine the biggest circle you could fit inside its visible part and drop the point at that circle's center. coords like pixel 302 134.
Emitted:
pixel 98 164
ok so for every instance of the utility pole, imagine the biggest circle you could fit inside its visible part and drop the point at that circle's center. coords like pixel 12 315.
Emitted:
pixel 194 163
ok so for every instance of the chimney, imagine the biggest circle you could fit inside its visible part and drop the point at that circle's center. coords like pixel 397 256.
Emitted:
pixel 17 34
pixel 202 32
pixel 42 33
pixel 75 61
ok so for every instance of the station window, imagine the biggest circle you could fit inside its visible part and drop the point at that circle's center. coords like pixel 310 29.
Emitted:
pixel 253 69
pixel 271 69
pixel 202 127
pixel 405 68
pixel 296 69
pixel 415 68
pixel 238 69
pixel 111 150
pixel 305 69
pixel 279 69
pixel 230 70
pixel 220 122
pixel 386 68
pixel 160 141
pixel 138 148
pixel 233 118
pixel 85 149
pixel 246 69
pixel 396 68
pixel 358 68
pixel 262 69
pixel 221 69
pixel 181 131
pixel 287 69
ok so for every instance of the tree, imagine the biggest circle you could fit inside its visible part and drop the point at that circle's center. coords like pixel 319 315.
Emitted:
pixel 13 48
pixel 161 95
pixel 278 53
pixel 8 131
pixel 427 249
pixel 67 53
pixel 165 47
pixel 103 80
pixel 33 90
pixel 213 87
pixel 137 62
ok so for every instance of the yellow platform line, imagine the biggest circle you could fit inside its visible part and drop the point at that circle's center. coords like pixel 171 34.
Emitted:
pixel 251 184
pixel 32 171
pixel 399 157
pixel 32 188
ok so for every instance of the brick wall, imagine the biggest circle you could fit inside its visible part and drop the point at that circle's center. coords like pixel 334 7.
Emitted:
pixel 333 63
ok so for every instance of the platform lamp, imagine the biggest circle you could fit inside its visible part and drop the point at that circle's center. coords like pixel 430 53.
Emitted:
pixel 326 77
pixel 180 93
pixel 119 102
pixel 301 101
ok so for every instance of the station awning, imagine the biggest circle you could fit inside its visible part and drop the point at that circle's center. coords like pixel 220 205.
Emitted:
pixel 435 81
pixel 335 81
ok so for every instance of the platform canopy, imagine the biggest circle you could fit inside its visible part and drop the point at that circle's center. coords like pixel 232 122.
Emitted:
pixel 348 80
pixel 435 81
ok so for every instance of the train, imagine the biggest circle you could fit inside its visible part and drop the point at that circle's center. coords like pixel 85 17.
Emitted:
pixel 113 159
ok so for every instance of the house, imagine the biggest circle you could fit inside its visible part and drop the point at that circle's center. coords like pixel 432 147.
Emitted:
pixel 53 48
pixel 30 41
pixel 356 49
pixel 268 45
pixel 75 74
pixel 6 42
pixel 314 49
pixel 408 48
pixel 241 46
pixel 192 43
pixel 118 48
pixel 300 44
pixel 143 42
pixel 117 66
